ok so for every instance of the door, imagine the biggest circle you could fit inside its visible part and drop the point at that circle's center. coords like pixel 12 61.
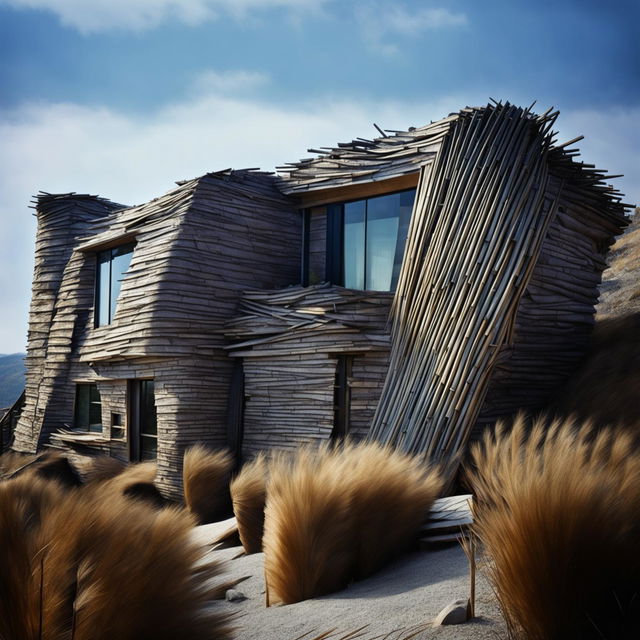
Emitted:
pixel 143 425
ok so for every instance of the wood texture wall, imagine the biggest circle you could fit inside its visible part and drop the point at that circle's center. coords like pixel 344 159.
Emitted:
pixel 289 341
pixel 472 249
pixel 62 294
pixel 196 249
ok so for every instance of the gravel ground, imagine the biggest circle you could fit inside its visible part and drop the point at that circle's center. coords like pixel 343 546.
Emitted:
pixel 408 593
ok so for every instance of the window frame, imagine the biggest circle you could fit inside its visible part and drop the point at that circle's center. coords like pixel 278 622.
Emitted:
pixel 98 289
pixel 334 271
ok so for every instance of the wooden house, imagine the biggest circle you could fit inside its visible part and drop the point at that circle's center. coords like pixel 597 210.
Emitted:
pixel 411 288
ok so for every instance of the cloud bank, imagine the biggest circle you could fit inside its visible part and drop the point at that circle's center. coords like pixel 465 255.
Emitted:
pixel 90 16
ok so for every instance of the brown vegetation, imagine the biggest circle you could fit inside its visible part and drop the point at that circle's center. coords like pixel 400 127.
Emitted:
pixel 136 482
pixel 74 566
pixel 620 291
pixel 606 388
pixel 392 493
pixel 206 475
pixel 558 513
pixel 100 468
pixel 248 495
pixel 333 515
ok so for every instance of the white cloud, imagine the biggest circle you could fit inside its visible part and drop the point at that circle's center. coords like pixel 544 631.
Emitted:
pixel 228 82
pixel 89 16
pixel 382 23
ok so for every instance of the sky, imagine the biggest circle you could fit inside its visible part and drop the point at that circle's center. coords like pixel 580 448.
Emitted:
pixel 121 98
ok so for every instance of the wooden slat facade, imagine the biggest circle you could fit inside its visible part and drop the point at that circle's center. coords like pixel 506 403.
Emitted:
pixel 493 309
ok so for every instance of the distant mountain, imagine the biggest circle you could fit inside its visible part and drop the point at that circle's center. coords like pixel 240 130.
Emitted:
pixel 12 372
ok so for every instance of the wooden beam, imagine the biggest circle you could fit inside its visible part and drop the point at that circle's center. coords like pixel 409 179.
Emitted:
pixel 357 191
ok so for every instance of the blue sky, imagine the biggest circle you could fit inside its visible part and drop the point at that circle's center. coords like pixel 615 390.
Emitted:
pixel 122 97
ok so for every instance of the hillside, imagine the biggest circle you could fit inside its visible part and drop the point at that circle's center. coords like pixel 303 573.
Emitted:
pixel 11 378
pixel 606 388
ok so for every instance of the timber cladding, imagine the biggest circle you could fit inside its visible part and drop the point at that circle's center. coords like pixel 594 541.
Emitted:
pixel 494 304
pixel 290 342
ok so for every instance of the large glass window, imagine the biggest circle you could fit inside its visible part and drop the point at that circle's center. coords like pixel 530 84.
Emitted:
pixel 366 239
pixel 112 265
pixel 88 410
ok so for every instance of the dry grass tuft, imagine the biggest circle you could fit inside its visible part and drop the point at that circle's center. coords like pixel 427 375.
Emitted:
pixel 392 495
pixel 100 468
pixel 334 515
pixel 558 513
pixel 206 475
pixel 135 482
pixel 11 461
pixel 23 502
pixel 56 466
pixel 248 495
pixel 309 536
pixel 87 568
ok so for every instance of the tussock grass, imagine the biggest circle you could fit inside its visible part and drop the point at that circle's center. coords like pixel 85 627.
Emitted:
pixel 100 468
pixel 11 461
pixel 86 568
pixel 392 494
pixel 135 482
pixel 206 475
pixel 336 514
pixel 558 513
pixel 309 532
pixel 56 466
pixel 23 502
pixel 248 495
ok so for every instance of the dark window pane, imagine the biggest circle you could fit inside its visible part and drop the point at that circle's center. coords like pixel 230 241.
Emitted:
pixel 354 244
pixel 148 420
pixel 374 237
pixel 112 264
pixel 88 410
pixel 148 447
pixel 95 409
pixel 81 420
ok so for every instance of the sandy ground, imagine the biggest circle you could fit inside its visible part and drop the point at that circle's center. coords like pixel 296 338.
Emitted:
pixel 408 593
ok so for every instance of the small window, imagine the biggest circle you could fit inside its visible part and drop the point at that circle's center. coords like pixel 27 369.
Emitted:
pixel 88 410
pixel 117 432
pixel 112 265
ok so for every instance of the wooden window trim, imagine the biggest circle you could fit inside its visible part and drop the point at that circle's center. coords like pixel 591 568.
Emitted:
pixel 361 191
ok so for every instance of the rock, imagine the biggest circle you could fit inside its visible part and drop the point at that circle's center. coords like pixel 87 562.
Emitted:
pixel 454 613
pixel 233 595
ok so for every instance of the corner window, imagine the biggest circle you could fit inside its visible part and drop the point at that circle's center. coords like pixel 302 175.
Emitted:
pixel 88 409
pixel 366 239
pixel 112 264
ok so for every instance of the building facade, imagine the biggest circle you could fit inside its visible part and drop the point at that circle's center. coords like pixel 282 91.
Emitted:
pixel 412 289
